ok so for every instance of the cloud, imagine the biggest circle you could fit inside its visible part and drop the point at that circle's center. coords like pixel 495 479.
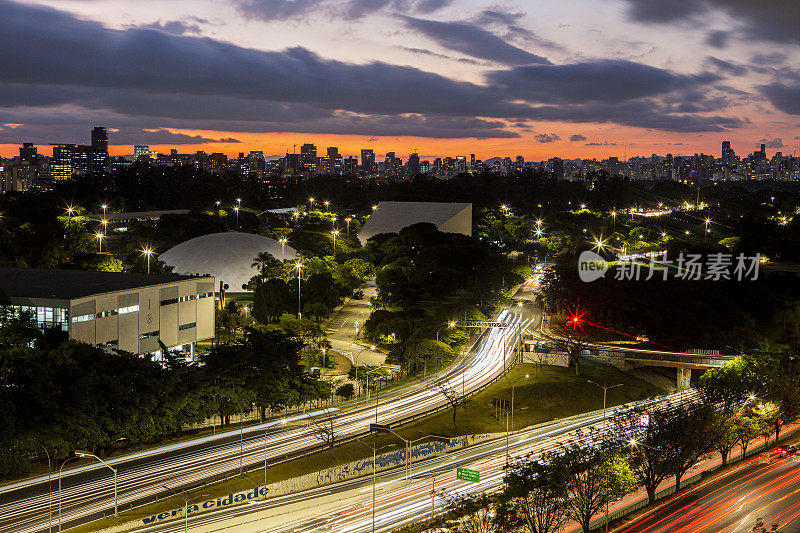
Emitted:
pixel 271 10
pixel 718 39
pixel 424 51
pixel 773 20
pixel 605 80
pixel 547 137
pixel 176 27
pixel 772 143
pixel 473 41
pixel 726 67
pixel 784 96
pixel 577 137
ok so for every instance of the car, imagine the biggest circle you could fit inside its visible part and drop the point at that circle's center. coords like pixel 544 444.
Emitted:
pixel 785 451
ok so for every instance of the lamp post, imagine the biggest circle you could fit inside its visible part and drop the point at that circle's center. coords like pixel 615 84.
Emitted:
pixel 333 222
pixel 49 486
pixel 334 233
pixel 409 443
pixel 147 252
pixel 375 450
pixel 68 459
pixel 450 324
pixel 327 204
pixel 605 390
pixel 310 203
pixel 82 454
pixel 513 385
pixel 299 266
pixel 104 207
pixel 237 217
pixel 282 240
pixel 99 237
pixel 705 234
pixel 347 220
pixel 186 499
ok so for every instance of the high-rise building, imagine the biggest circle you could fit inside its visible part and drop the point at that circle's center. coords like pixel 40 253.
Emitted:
pixel 28 152
pixel 308 158
pixel 61 163
pixel 140 152
pixel 413 163
pixel 219 163
pixel 99 159
pixel 291 163
pixel 368 160
pixel 334 162
pixel 350 164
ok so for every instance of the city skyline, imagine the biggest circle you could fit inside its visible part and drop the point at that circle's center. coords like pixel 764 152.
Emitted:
pixel 579 79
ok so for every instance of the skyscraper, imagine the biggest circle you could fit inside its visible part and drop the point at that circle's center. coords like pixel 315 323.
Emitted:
pixel 308 158
pixel 727 153
pixel 99 158
pixel 368 160
pixel 28 152
pixel 413 163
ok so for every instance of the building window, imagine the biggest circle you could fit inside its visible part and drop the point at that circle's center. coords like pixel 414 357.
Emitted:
pixel 187 298
pixel 129 309
pixel 45 317
pixel 169 302
pixel 205 295
pixel 149 334
pixel 190 325
pixel 109 344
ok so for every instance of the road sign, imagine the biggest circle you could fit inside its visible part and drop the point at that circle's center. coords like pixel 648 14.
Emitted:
pixel 644 420
pixel 479 324
pixel 465 474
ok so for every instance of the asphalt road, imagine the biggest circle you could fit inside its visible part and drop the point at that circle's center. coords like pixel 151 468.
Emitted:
pixel 732 501
pixel 87 492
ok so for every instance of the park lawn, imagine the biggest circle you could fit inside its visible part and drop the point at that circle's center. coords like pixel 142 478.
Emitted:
pixel 548 393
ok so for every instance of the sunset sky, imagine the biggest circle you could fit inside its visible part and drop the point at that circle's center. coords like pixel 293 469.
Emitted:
pixel 572 78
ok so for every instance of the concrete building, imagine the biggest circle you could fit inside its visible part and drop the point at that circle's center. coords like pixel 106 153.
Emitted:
pixel 227 256
pixel 125 311
pixel 391 217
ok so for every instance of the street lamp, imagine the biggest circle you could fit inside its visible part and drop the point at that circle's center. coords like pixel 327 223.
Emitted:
pixel 82 454
pixel 104 207
pixel 327 204
pixel 147 252
pixel 99 237
pixel 605 390
pixel 451 324
pixel 707 222
pixel 68 459
pixel 310 203
pixel 333 222
pixel 237 217
pixel 299 266
pixel 49 486
pixel 375 450
pixel 334 233
pixel 347 220
pixel 378 428
pixel 186 499
pixel 282 240
pixel 374 208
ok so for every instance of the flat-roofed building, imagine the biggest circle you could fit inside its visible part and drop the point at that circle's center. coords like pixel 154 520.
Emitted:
pixel 391 217
pixel 126 311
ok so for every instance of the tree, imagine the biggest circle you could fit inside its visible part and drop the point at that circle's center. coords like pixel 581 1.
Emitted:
pixel 688 435
pixel 346 391
pixel 324 429
pixel 534 498
pixel 474 514
pixel 453 396
pixel 650 465
pixel 271 298
pixel 265 262
pixel 591 476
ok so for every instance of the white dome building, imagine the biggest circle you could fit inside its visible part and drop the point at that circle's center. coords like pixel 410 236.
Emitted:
pixel 227 256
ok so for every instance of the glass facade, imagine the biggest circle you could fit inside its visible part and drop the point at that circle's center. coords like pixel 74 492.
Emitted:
pixel 45 317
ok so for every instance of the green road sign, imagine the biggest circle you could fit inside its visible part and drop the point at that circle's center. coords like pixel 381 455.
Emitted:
pixel 465 474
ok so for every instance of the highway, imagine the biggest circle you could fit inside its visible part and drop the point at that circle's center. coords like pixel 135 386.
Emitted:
pixel 88 492
pixel 347 506
pixel 731 501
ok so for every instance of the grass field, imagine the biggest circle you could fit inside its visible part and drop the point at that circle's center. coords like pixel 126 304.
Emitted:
pixel 549 392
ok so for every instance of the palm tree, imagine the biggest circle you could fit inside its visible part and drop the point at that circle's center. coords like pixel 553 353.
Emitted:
pixel 262 261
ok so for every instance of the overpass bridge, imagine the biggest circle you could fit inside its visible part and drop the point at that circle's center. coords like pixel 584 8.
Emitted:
pixel 630 358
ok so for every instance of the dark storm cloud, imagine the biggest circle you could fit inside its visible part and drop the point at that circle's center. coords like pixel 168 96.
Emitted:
pixel 784 96
pixel 577 138
pixel 547 137
pixel 718 39
pixel 771 20
pixel 83 73
pixel 606 80
pixel 473 41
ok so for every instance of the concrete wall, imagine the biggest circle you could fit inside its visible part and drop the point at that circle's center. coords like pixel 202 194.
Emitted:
pixel 130 330
pixel 554 359
pixel 461 223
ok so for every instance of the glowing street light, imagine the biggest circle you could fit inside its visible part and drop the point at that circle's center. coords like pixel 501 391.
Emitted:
pixel 282 240
pixel 599 243
pixel 347 220
pixel 104 207
pixel 237 217
pixel 310 203
pixel 334 233
pixel 99 237
pixel 327 205
pixel 333 222
pixel 374 208
pixel 299 266
pixel 147 252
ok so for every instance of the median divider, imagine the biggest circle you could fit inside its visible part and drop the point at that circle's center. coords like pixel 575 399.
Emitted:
pixel 355 469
